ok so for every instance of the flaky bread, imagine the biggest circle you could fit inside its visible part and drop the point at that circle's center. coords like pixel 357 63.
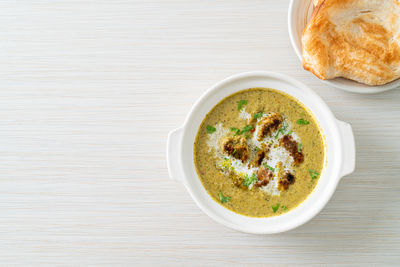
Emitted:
pixel 354 39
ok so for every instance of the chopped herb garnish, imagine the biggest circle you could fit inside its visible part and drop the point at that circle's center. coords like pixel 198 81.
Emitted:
pixel 247 129
pixel 258 115
pixel 277 133
pixel 248 180
pixel 268 167
pixel 299 147
pixel 285 209
pixel 276 207
pixel 236 130
pixel 257 148
pixel 313 174
pixel 290 132
pixel 241 103
pixel 281 130
pixel 223 198
pixel 210 129
pixel 302 122
pixel 247 136
pixel 234 151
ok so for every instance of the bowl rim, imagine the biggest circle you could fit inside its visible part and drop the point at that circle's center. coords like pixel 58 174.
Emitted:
pixel 331 182
pixel 361 88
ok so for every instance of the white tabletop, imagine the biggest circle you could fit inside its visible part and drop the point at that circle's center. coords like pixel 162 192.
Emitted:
pixel 89 92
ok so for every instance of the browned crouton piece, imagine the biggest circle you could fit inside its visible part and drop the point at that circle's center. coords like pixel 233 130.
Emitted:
pixel 235 146
pixel 264 176
pixel 293 147
pixel 261 155
pixel 285 180
pixel 268 125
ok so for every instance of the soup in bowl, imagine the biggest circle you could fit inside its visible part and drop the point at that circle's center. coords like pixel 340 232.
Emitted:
pixel 260 152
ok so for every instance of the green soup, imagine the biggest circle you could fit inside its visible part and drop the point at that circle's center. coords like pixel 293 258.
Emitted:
pixel 259 152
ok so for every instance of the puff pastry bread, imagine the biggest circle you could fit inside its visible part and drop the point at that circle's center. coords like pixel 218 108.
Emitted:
pixel 354 39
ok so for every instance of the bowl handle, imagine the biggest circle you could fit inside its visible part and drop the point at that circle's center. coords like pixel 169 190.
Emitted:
pixel 349 149
pixel 174 148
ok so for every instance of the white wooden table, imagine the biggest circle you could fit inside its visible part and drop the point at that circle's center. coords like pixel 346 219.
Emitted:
pixel 89 91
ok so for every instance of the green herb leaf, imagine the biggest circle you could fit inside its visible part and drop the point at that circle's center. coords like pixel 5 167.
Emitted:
pixel 299 147
pixel 313 174
pixel 275 208
pixel 285 209
pixel 234 151
pixel 258 115
pixel 223 198
pixel 290 132
pixel 241 103
pixel 248 180
pixel 210 129
pixel 268 167
pixel 236 130
pixel 247 129
pixel 277 133
pixel 302 122
pixel 282 129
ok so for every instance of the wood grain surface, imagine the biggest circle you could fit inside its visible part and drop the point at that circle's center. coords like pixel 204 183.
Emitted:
pixel 89 91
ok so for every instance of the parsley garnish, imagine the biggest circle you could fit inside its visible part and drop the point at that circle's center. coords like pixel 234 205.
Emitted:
pixel 299 147
pixel 222 198
pixel 290 132
pixel 247 129
pixel 248 180
pixel 277 134
pixel 276 207
pixel 281 130
pixel 313 174
pixel 268 167
pixel 210 129
pixel 241 103
pixel 285 209
pixel 236 130
pixel 302 122
pixel 258 115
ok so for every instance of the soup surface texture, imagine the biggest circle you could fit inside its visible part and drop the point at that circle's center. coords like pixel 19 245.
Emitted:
pixel 259 152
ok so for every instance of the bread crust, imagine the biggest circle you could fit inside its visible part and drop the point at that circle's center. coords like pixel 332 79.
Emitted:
pixel 354 39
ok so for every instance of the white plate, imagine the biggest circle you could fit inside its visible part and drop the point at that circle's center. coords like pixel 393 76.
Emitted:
pixel 299 14
pixel 339 160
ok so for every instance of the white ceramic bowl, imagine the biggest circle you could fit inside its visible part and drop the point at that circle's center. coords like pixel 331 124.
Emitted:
pixel 340 153
pixel 299 14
